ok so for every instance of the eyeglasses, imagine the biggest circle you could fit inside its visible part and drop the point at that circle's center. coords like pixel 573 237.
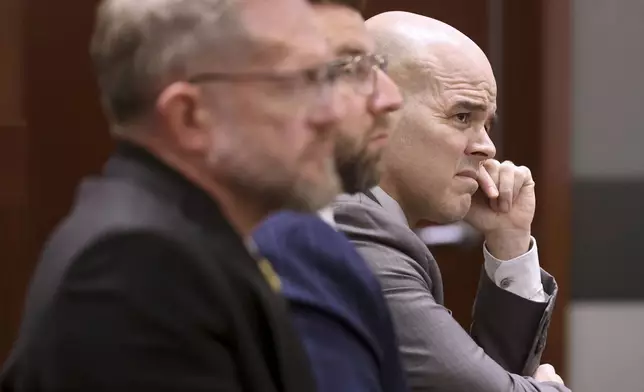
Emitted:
pixel 309 84
pixel 324 74
pixel 303 85
pixel 361 71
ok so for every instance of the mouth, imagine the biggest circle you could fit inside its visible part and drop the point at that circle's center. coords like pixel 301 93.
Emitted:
pixel 470 178
pixel 380 136
pixel 378 141
pixel 469 174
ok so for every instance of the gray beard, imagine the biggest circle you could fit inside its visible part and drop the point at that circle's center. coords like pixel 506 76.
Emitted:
pixel 275 188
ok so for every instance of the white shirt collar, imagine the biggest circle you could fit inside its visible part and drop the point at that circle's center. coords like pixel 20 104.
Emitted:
pixel 326 214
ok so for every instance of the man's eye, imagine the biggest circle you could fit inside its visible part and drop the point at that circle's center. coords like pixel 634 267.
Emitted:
pixel 463 117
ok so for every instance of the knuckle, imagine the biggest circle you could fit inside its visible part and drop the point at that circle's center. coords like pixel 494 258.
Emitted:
pixel 509 169
pixel 506 189
pixel 508 163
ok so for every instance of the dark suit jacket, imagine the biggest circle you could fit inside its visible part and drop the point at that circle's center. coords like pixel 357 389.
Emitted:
pixel 336 302
pixel 146 287
pixel 508 332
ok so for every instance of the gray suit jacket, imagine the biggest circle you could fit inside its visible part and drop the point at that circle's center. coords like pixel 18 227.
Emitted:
pixel 508 333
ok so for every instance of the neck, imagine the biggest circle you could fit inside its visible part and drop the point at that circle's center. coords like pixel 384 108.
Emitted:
pixel 393 189
pixel 243 210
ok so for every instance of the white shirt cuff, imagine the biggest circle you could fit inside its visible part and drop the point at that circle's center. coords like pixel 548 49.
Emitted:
pixel 520 276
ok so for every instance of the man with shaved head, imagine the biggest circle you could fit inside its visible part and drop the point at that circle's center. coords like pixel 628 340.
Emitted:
pixel 439 167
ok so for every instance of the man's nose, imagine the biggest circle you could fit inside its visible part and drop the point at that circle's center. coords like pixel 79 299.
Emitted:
pixel 481 145
pixel 327 109
pixel 386 97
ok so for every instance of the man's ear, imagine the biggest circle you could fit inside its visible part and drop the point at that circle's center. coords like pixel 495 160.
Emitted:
pixel 181 108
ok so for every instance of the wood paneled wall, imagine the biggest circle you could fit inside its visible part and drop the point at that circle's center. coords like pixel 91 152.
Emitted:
pixel 14 192
pixel 52 133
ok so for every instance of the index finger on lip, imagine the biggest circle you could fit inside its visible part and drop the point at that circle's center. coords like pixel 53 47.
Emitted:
pixel 487 183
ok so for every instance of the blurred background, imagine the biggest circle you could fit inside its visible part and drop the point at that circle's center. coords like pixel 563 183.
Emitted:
pixel 571 94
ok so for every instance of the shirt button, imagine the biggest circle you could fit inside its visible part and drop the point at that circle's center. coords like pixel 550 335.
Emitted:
pixel 505 283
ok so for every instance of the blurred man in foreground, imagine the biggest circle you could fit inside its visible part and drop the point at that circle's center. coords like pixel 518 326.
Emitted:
pixel 224 112
pixel 440 155
pixel 335 300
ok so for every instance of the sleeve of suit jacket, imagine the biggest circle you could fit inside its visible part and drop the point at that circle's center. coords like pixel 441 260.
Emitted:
pixel 511 329
pixel 125 319
pixel 438 354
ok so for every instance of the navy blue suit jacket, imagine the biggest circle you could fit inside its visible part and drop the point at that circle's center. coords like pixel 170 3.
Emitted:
pixel 336 303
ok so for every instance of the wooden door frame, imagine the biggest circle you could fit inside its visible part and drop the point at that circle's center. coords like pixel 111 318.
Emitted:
pixel 536 118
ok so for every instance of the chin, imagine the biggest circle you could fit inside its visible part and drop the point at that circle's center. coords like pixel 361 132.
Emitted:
pixel 457 209
pixel 308 196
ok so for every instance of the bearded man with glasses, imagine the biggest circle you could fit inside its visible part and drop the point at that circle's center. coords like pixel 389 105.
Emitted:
pixel 335 300
pixel 223 111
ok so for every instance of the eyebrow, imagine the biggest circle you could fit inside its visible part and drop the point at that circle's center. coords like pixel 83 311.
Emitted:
pixel 470 106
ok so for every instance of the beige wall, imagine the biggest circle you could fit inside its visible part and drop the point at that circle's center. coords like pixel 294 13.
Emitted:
pixel 605 343
pixel 608 88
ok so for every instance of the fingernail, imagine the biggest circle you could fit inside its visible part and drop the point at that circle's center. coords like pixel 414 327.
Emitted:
pixel 493 191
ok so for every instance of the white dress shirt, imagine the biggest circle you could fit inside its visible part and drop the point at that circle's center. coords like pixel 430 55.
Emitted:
pixel 521 275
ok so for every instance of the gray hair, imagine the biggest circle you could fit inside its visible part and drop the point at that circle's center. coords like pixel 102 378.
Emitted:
pixel 140 46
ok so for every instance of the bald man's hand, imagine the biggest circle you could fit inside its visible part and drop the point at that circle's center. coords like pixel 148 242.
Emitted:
pixel 503 208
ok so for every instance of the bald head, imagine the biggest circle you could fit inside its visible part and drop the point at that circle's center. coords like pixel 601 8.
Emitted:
pixel 413 29
pixel 415 43
pixel 450 103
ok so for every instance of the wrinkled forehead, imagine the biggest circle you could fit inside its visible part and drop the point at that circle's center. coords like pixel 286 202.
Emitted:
pixel 344 29
pixel 285 34
pixel 458 74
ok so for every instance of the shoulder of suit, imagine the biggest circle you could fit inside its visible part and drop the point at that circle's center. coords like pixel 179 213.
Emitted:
pixel 304 245
pixel 290 220
pixel 367 222
pixel 359 212
pixel 115 210
pixel 303 235
pixel 316 264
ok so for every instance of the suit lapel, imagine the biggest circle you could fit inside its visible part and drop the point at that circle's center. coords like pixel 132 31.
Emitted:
pixel 392 207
